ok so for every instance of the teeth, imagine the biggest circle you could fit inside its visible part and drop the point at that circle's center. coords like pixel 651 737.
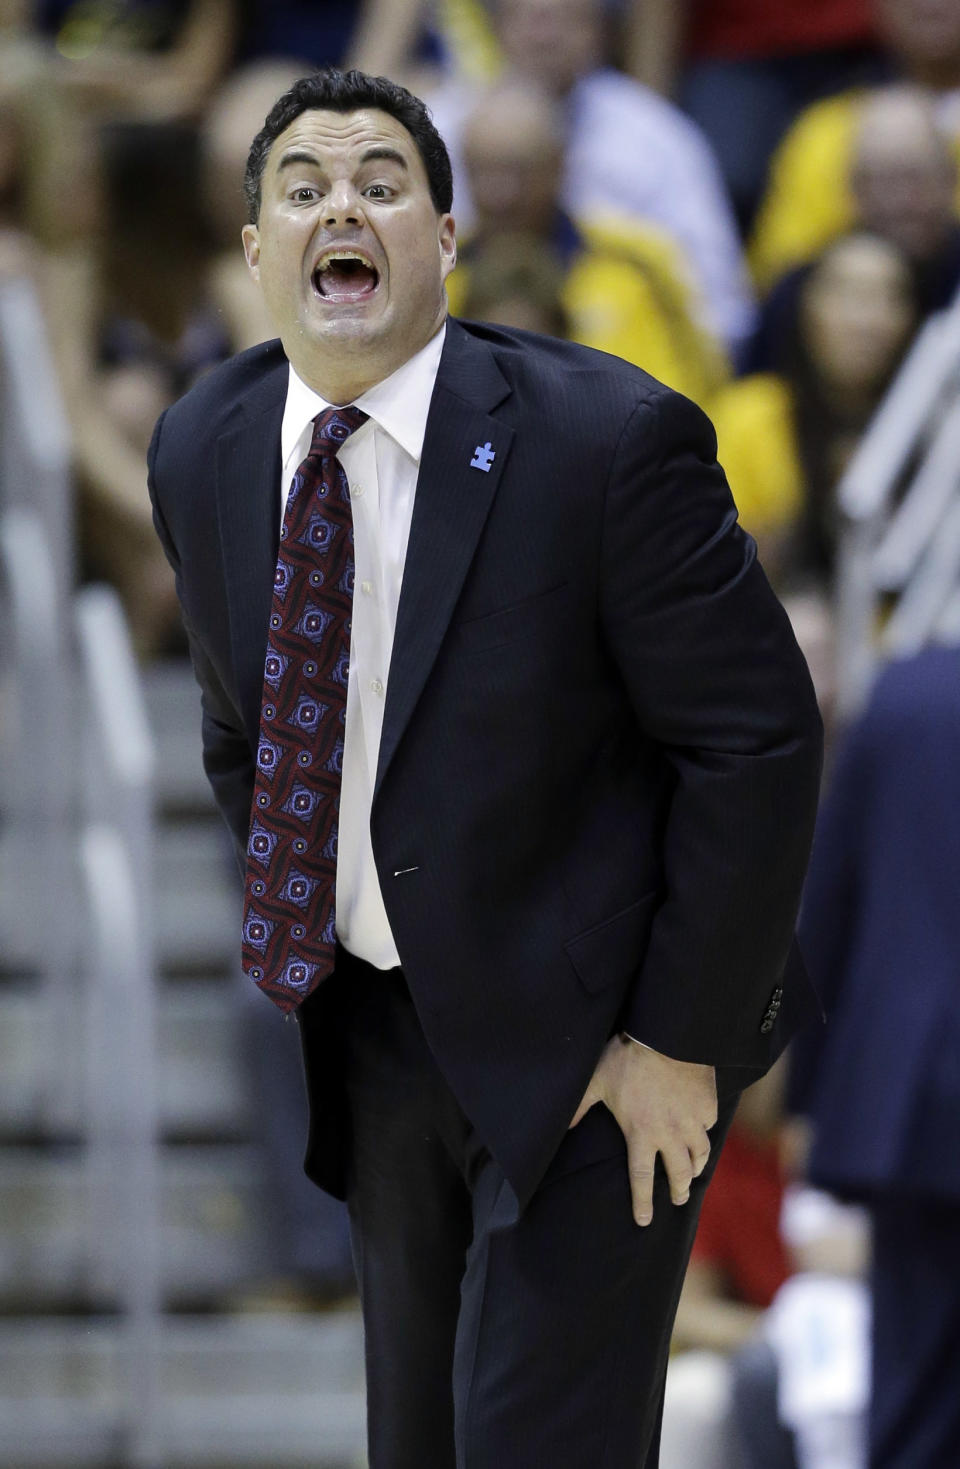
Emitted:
pixel 330 255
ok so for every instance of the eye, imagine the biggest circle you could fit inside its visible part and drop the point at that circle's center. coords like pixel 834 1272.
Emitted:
pixel 378 191
pixel 304 194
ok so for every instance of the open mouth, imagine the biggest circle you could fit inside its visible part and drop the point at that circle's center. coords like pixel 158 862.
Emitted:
pixel 344 275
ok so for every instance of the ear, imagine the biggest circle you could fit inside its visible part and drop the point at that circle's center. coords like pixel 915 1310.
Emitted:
pixel 251 249
pixel 448 244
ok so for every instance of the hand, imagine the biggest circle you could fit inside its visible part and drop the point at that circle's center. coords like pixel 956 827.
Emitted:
pixel 663 1106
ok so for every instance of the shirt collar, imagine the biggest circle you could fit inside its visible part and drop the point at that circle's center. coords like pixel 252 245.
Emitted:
pixel 399 404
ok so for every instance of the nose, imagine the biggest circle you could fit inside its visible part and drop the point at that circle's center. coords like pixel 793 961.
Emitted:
pixel 344 205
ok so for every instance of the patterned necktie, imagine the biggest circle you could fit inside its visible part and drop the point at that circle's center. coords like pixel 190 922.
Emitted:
pixel 289 924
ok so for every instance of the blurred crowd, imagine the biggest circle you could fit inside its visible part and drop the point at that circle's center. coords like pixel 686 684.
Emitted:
pixel 758 203
pixel 755 203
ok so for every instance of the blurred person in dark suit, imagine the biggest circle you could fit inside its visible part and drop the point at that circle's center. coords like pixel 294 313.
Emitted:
pixel 546 851
pixel 880 1086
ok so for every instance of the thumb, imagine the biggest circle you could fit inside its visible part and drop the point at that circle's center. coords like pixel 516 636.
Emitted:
pixel 589 1098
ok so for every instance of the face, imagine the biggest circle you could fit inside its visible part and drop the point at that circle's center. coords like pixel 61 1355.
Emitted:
pixel 552 41
pixel 349 251
pixel 907 198
pixel 857 313
pixel 923 32
pixel 513 161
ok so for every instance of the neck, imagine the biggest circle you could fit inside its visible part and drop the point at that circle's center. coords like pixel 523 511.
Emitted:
pixel 341 380
pixel 939 73
pixel 852 401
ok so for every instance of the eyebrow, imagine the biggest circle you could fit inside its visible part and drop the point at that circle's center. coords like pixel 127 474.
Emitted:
pixel 388 155
pixel 297 155
pixel 380 151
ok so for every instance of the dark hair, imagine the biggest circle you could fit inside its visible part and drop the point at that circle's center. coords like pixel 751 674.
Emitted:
pixel 347 91
pixel 822 424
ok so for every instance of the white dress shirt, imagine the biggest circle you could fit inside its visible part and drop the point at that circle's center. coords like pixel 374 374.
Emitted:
pixel 381 461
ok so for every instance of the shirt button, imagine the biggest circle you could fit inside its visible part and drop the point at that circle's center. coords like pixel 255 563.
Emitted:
pixel 356 491
pixel 376 687
pixel 366 588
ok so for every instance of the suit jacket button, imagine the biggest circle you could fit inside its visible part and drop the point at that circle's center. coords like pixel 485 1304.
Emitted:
pixel 766 1025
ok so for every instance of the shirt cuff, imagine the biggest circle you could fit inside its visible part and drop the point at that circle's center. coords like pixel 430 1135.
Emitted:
pixel 626 1036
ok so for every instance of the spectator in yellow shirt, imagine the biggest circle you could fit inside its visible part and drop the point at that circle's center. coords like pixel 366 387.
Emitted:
pixel 625 288
pixel 810 198
pixel 904 177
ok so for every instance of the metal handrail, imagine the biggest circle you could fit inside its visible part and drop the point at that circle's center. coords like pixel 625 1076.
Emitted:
pixel 897 537
pixel 916 521
pixel 34 438
pixel 123 1178
pixel 38 787
pixel 36 552
pixel 121 1031
pixel 872 475
pixel 925 609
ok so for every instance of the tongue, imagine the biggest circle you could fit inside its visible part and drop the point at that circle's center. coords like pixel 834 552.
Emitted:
pixel 346 280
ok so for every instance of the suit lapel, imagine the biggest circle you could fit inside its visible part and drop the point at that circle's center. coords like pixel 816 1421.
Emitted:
pixel 248 509
pixel 452 501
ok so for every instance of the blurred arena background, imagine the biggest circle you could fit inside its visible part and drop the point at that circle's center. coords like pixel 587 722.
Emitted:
pixel 756 202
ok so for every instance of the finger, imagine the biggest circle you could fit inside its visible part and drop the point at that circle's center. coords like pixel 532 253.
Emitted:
pixel 676 1160
pixel 588 1100
pixel 700 1156
pixel 640 1164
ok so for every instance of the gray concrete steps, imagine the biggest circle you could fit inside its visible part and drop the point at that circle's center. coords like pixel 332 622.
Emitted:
pixel 283 1391
pixel 210 1236
pixel 197 888
pixel 198 898
pixel 202 1088
pixel 268 1392
pixel 173 709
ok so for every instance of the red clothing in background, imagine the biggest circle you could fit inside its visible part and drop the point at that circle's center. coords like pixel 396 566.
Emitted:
pixel 739 1230
pixel 747 29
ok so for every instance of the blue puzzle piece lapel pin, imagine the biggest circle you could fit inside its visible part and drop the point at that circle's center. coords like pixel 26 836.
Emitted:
pixel 483 457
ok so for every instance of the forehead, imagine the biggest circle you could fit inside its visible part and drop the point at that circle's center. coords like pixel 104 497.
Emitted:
pixel 343 138
pixel 863 265
pixel 512 127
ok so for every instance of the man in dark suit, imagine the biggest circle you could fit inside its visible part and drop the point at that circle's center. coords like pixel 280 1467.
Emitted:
pixel 881 1084
pixel 533 770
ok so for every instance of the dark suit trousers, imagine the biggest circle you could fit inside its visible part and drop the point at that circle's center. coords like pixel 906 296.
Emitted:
pixel 491 1342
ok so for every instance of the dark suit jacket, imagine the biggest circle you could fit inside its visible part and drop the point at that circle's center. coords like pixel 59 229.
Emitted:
pixel 601 747
pixel 881 931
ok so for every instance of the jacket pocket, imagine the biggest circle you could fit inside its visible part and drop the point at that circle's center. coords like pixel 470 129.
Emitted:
pixel 614 949
pixel 493 629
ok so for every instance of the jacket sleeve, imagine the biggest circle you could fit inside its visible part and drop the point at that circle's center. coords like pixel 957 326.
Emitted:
pixel 715 677
pixel 227 757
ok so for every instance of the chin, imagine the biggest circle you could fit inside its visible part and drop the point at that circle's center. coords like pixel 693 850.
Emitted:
pixel 349 331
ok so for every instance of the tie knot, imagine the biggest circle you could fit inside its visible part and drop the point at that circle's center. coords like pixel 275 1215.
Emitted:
pixel 334 426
